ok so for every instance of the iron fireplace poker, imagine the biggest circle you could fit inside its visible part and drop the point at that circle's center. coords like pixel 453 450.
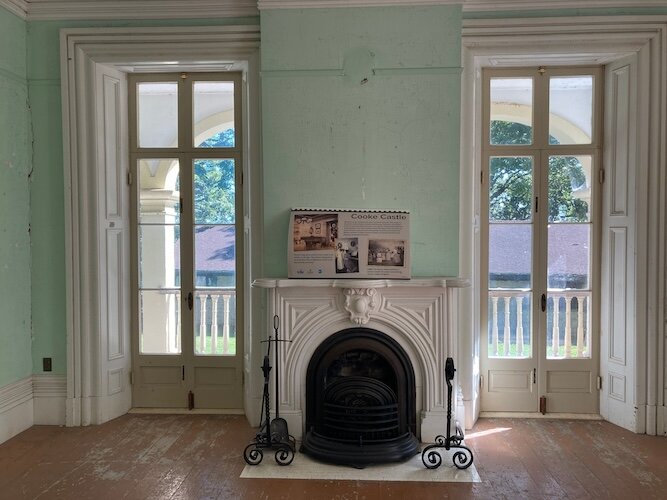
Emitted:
pixel 273 434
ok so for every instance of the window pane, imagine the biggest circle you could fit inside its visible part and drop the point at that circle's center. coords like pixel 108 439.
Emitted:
pixel 215 274
pixel 160 322
pixel 510 188
pixel 569 256
pixel 509 332
pixel 570 109
pixel 215 256
pixel 213 114
pixel 157 114
pixel 215 323
pixel 214 196
pixel 159 256
pixel 510 256
pixel 511 112
pixel 159 194
pixel 568 325
pixel 570 188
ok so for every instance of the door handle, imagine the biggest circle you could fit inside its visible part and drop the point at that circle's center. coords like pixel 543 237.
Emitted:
pixel 190 301
pixel 543 302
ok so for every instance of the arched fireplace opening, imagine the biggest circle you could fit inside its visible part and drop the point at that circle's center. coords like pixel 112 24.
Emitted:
pixel 360 400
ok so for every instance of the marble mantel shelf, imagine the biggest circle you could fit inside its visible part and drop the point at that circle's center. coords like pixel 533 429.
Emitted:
pixel 437 282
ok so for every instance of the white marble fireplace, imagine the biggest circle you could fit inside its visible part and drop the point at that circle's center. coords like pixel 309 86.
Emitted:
pixel 419 314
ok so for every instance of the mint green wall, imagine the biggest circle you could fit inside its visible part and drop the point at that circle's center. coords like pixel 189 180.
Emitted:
pixel 15 341
pixel 392 142
pixel 48 213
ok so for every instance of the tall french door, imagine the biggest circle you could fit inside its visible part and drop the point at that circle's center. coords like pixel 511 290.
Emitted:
pixel 186 161
pixel 540 157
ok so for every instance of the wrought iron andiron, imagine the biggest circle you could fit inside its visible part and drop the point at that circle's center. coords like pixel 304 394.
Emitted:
pixel 273 434
pixel 462 457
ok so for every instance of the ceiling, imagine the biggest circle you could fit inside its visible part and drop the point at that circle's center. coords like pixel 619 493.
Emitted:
pixel 35 10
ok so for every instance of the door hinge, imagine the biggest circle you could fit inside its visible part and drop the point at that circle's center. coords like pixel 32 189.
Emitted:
pixel 129 178
pixel 543 405
pixel 537 204
pixel 182 372
pixel 191 400
pixel 534 375
pixel 543 302
pixel 481 178
pixel 599 383
pixel 190 301
pixel 180 205
pixel 132 378
pixel 601 176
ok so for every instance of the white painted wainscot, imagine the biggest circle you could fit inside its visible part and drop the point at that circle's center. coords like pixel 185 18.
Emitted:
pixel 420 314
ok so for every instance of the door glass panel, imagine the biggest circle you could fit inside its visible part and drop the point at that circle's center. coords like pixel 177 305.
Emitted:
pixel 213 108
pixel 160 321
pixel 510 188
pixel 215 257
pixel 571 109
pixel 159 256
pixel 511 111
pixel 510 257
pixel 568 324
pixel 570 188
pixel 157 114
pixel 569 256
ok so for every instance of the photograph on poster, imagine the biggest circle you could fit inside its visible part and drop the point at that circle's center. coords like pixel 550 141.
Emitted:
pixel 386 253
pixel 347 255
pixel 315 232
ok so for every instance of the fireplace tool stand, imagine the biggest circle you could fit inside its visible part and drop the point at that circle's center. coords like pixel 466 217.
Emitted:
pixel 462 457
pixel 273 434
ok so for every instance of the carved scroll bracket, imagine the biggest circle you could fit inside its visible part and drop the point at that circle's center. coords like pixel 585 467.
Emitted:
pixel 361 303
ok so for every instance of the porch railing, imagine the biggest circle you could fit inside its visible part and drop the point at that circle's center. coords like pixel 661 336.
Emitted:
pixel 509 331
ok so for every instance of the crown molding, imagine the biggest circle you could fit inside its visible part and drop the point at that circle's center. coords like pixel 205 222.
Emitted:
pixel 468 5
pixel 17 7
pixel 42 10
pixel 326 4
pixel 509 5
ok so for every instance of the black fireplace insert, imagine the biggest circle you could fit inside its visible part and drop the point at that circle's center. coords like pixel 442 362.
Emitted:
pixel 360 400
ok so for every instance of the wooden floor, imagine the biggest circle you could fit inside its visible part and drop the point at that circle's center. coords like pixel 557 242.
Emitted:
pixel 199 456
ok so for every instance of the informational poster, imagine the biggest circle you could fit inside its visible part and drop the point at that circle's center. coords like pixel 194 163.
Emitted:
pixel 335 243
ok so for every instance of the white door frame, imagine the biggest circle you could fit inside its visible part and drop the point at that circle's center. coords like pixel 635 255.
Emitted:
pixel 579 40
pixel 82 50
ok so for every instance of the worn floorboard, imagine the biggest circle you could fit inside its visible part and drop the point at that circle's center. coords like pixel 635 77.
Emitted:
pixel 200 457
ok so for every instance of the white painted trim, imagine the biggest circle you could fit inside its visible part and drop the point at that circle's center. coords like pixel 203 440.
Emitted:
pixel 49 395
pixel 547 416
pixel 508 5
pixel 468 5
pixel 488 42
pixel 18 7
pixel 15 394
pixel 41 10
pixel 436 282
pixel 82 49
pixel 51 10
pixel 328 4
pixel 16 408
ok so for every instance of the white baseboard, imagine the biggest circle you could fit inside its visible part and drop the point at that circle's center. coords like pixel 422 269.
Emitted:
pixel 16 408
pixel 33 400
pixel 49 393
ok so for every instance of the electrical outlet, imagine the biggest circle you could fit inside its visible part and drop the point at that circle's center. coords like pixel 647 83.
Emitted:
pixel 46 364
